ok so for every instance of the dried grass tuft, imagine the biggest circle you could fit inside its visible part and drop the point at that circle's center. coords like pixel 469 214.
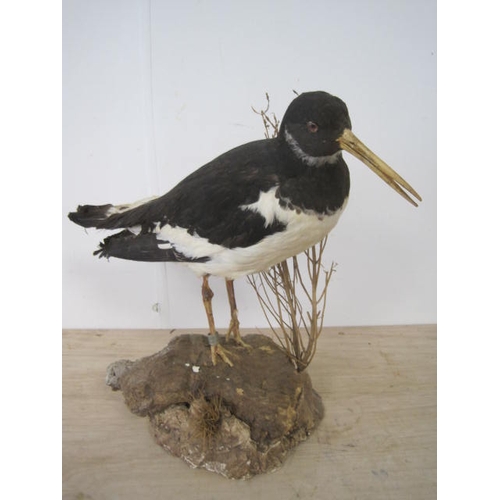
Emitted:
pixel 206 416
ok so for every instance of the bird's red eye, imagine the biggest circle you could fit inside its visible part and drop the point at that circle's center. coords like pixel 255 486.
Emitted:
pixel 312 127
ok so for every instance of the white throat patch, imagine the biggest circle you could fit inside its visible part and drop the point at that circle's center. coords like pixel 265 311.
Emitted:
pixel 312 161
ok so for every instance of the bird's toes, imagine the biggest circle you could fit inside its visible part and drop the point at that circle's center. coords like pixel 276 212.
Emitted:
pixel 234 329
pixel 218 350
pixel 240 342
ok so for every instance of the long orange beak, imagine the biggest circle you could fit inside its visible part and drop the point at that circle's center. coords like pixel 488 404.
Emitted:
pixel 349 142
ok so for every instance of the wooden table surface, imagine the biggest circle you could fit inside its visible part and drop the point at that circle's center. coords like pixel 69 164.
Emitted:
pixel 376 441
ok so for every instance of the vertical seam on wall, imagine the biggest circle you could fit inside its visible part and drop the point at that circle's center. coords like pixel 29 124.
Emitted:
pixel 152 170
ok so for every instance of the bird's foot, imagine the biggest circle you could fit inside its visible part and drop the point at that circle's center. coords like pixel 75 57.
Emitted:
pixel 218 350
pixel 234 328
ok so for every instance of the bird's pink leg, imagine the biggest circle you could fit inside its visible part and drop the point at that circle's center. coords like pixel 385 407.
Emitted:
pixel 234 325
pixel 213 336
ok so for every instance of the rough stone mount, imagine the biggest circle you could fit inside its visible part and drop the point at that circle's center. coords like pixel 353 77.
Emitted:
pixel 237 421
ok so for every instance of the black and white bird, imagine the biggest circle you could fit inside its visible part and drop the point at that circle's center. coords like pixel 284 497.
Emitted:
pixel 252 207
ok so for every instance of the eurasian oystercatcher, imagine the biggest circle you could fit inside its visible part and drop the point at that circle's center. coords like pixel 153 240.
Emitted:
pixel 250 208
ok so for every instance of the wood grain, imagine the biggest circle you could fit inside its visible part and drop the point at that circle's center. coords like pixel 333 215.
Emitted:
pixel 377 440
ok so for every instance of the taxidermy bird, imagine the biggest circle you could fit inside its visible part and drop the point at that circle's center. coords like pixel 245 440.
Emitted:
pixel 250 208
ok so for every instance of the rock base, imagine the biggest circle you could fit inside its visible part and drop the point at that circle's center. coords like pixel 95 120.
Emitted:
pixel 237 421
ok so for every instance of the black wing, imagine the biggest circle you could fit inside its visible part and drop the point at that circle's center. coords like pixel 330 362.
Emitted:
pixel 207 202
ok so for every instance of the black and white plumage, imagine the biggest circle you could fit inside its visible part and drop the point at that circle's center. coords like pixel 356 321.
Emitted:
pixel 251 207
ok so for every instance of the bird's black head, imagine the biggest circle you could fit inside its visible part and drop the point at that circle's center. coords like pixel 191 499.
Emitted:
pixel 313 123
pixel 316 127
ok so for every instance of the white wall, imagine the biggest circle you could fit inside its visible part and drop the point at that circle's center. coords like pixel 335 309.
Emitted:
pixel 153 90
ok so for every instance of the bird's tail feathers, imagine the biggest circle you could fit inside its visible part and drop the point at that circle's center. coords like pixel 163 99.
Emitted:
pixel 113 216
pixel 90 215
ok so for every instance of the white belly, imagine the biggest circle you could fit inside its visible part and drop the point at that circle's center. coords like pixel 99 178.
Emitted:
pixel 302 231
